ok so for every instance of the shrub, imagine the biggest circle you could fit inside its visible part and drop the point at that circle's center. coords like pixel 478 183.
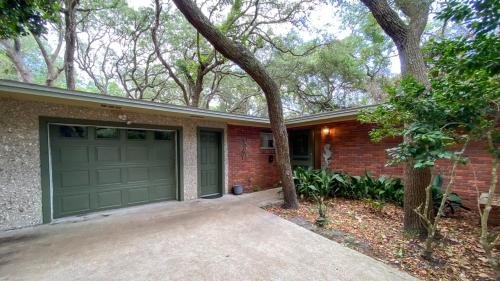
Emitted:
pixel 383 188
pixel 323 183
pixel 328 183
pixel 453 202
pixel 319 182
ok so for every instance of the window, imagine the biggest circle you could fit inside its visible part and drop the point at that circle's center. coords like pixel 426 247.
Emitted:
pixel 73 131
pixel 266 141
pixel 107 133
pixel 136 134
pixel 162 135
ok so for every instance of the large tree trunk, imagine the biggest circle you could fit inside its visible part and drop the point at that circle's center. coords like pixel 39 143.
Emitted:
pixel 406 37
pixel 245 59
pixel 415 180
pixel 70 38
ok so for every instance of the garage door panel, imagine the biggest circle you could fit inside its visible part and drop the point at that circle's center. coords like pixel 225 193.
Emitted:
pixel 75 178
pixel 161 173
pixel 136 174
pixel 162 153
pixel 108 176
pixel 114 170
pixel 136 154
pixel 162 192
pixel 108 154
pixel 109 199
pixel 138 195
pixel 74 154
pixel 76 203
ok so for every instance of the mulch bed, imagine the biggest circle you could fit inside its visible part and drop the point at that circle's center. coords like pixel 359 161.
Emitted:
pixel 378 233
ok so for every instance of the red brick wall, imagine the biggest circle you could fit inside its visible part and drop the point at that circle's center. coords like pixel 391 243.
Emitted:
pixel 254 170
pixel 353 153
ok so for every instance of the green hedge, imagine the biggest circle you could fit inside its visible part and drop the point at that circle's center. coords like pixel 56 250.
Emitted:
pixel 328 183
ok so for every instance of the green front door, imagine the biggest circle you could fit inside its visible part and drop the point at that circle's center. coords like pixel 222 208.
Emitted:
pixel 301 148
pixel 209 163
pixel 96 168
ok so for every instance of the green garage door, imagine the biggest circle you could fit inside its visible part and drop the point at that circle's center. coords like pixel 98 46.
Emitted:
pixel 97 168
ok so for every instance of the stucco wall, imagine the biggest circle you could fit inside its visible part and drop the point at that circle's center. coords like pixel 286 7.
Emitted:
pixel 20 187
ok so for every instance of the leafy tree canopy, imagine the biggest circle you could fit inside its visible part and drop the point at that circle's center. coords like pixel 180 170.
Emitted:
pixel 20 17
pixel 463 98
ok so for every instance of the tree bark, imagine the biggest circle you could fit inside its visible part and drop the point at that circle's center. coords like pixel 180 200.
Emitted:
pixel 70 39
pixel 50 59
pixel 246 60
pixel 13 52
pixel 406 37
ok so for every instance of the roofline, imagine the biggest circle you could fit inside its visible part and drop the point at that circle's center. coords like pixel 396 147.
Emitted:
pixel 8 86
pixel 348 112
pixel 27 89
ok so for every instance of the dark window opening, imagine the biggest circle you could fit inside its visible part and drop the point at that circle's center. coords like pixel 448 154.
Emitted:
pixel 162 135
pixel 136 134
pixel 107 133
pixel 73 131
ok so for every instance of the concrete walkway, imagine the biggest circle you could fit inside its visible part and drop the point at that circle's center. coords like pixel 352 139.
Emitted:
pixel 229 238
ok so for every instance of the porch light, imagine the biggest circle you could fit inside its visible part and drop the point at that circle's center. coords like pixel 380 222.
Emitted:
pixel 326 131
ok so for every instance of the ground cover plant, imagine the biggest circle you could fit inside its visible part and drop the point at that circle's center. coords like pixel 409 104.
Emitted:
pixel 378 190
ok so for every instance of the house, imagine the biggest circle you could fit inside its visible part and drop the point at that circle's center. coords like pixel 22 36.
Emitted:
pixel 66 153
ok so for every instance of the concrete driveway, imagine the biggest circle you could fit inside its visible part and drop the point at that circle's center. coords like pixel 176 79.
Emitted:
pixel 229 238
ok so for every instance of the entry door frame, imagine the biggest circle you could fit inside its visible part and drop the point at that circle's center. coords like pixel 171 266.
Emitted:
pixel 45 154
pixel 222 172
pixel 301 160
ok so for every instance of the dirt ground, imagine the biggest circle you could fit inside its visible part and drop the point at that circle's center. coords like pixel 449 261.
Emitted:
pixel 377 232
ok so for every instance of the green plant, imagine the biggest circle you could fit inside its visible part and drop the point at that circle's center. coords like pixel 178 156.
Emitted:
pixel 383 188
pixel 328 183
pixel 322 220
pixel 316 184
pixel 376 205
pixel 303 181
pixel 453 201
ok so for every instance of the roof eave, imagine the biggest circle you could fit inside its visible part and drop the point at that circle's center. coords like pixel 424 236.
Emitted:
pixel 13 87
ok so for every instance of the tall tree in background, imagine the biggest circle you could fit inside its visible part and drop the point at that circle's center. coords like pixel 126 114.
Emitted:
pixel 20 18
pixel 70 11
pixel 249 63
pixel 194 73
pixel 406 35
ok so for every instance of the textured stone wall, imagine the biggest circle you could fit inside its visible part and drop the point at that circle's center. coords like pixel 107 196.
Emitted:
pixel 253 171
pixel 20 187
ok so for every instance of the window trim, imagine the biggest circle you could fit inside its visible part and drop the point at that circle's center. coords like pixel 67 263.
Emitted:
pixel 262 141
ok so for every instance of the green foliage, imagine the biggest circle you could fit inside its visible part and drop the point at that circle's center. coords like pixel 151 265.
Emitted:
pixel 21 17
pixel 463 96
pixel 421 118
pixel 318 184
pixel 233 15
pixel 383 188
pixel 453 201
pixel 322 220
pixel 311 183
pixel 481 16
pixel 376 204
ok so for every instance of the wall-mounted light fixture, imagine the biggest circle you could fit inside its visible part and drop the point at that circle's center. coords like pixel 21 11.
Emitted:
pixel 326 131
